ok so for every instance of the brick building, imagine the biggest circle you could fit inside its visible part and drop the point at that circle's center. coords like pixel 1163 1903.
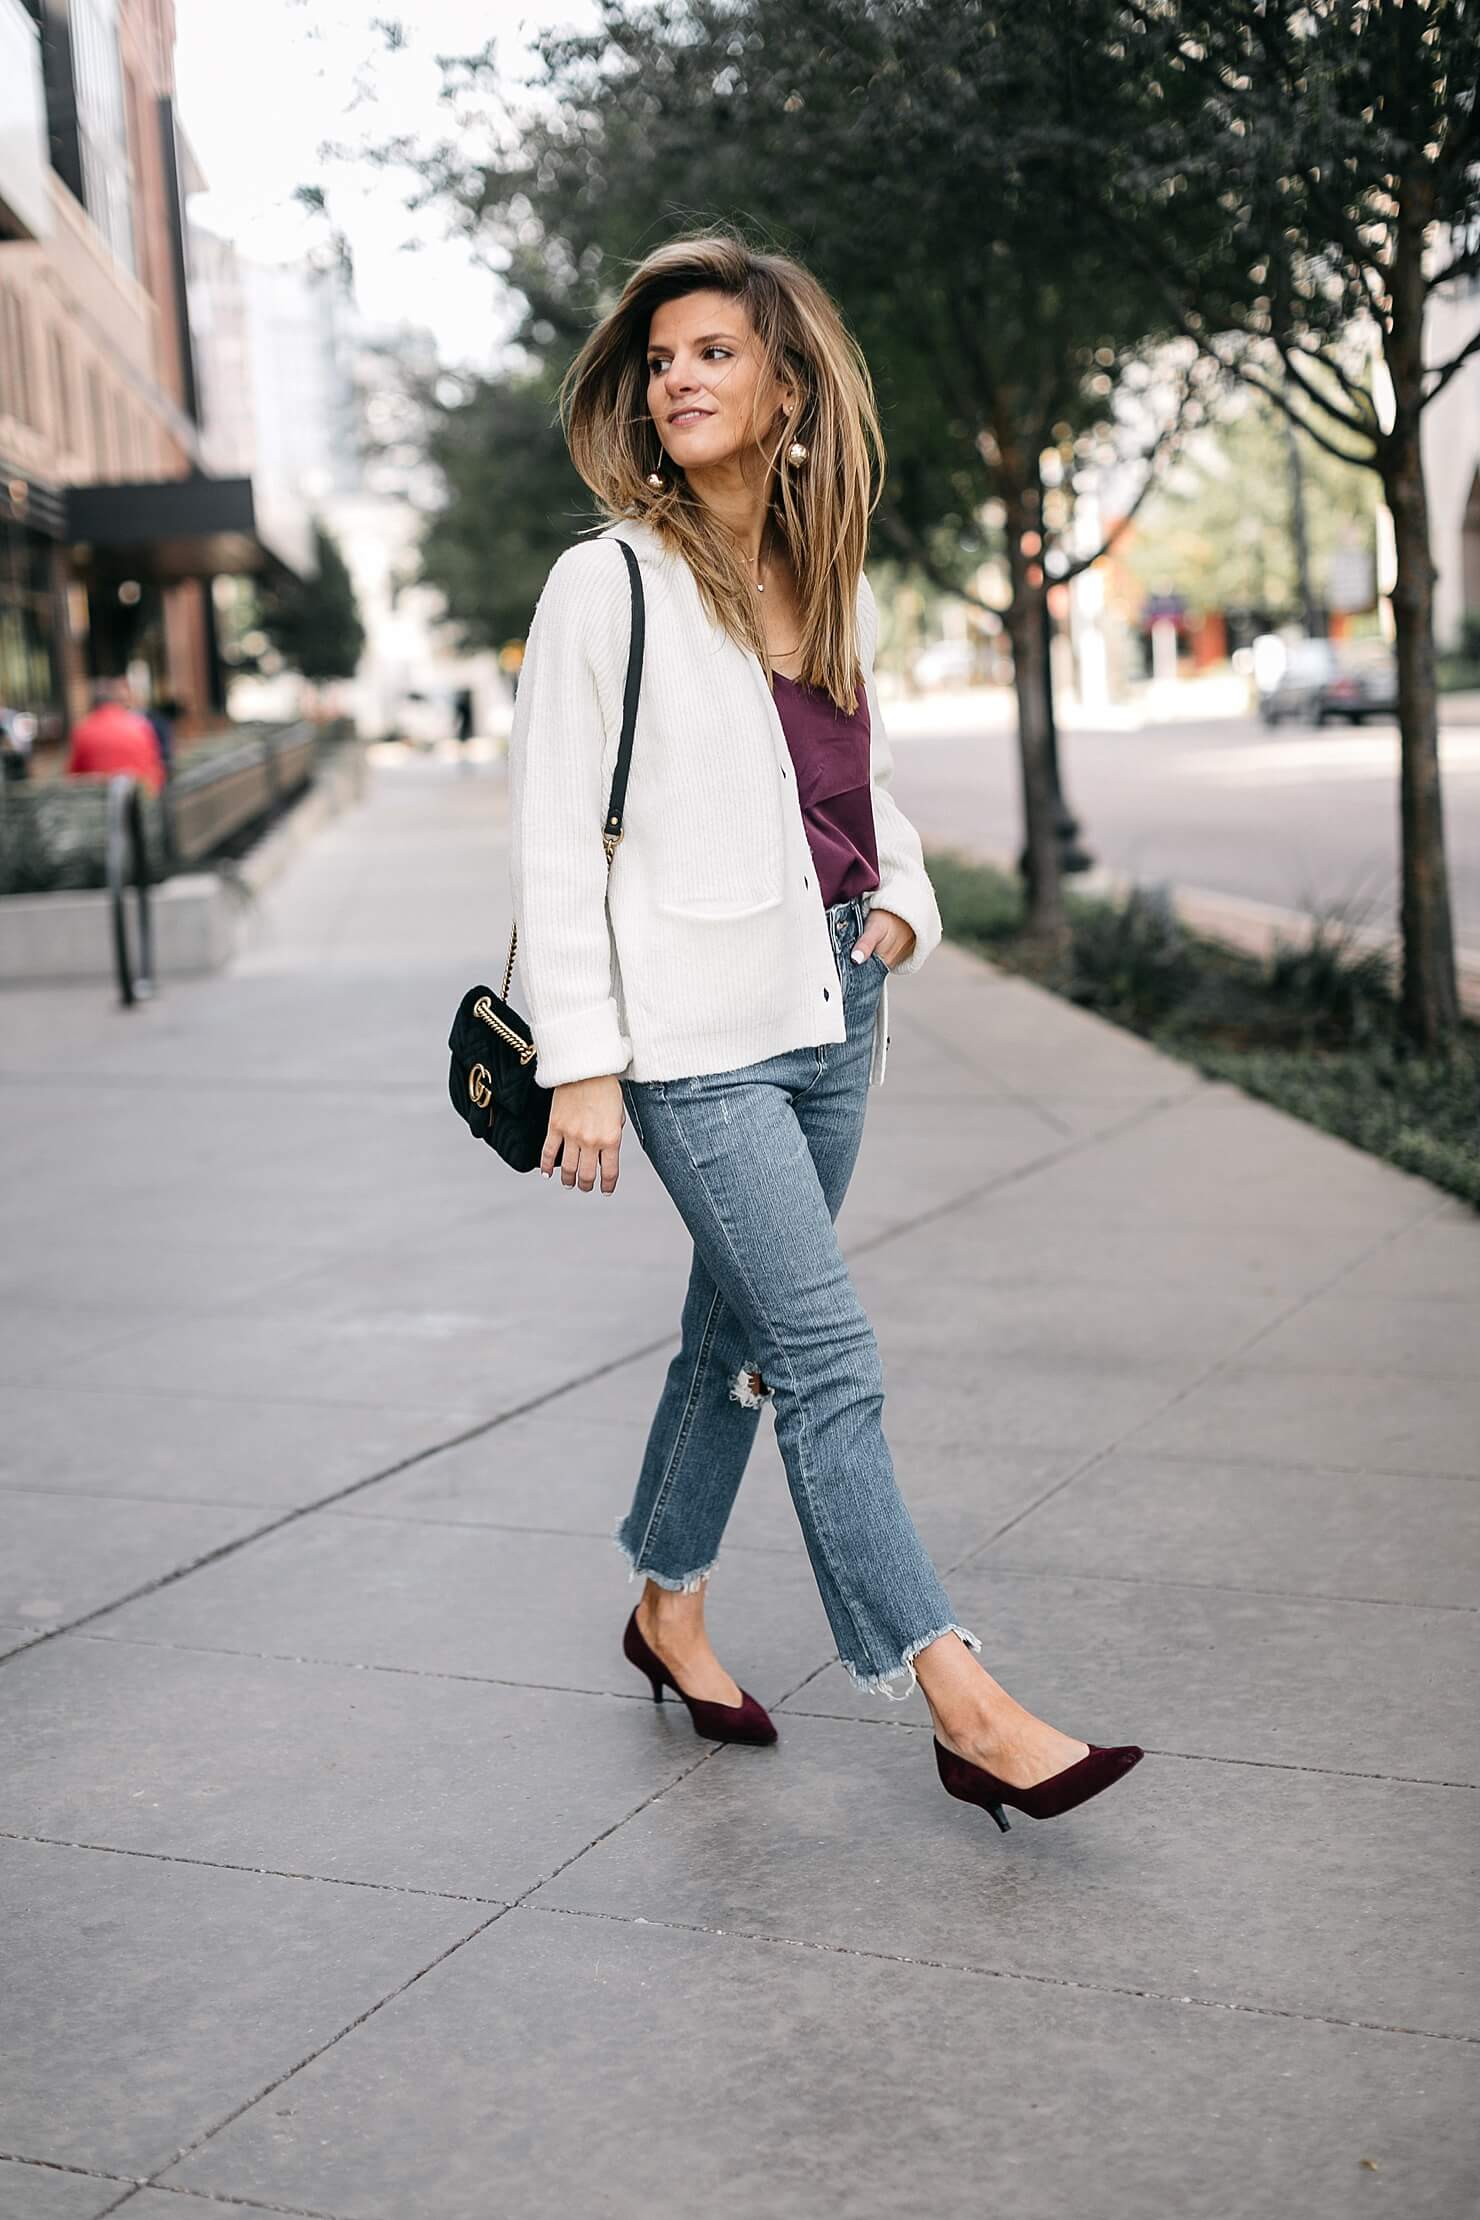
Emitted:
pixel 111 523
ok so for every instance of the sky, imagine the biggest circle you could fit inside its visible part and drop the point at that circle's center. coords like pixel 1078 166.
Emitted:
pixel 261 88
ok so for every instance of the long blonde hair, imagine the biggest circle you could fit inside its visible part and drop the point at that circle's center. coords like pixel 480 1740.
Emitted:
pixel 820 509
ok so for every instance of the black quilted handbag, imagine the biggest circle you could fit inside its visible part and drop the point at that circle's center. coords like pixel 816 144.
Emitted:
pixel 492 1082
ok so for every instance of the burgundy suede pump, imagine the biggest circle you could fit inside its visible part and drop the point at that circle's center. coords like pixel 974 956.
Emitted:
pixel 746 1721
pixel 1059 1793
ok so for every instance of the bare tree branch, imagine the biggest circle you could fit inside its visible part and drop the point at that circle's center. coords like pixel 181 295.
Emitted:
pixel 1441 377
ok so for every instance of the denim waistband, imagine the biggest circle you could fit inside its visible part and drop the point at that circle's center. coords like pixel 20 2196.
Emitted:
pixel 846 916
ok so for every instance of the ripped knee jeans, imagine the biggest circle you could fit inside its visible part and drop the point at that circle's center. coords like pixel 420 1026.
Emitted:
pixel 757 1161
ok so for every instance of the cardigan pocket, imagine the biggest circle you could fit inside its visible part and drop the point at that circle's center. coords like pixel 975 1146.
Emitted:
pixel 716 879
pixel 719 910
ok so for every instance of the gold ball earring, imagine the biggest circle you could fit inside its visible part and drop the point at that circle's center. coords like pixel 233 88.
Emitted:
pixel 654 478
pixel 796 452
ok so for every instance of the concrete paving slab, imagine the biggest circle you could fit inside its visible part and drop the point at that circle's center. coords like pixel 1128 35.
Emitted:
pixel 1030 1233
pixel 1273 1171
pixel 1133 1227
pixel 1032 1404
pixel 144 2000
pixel 1407 1338
pixel 400 1779
pixel 1365 1688
pixel 931 1316
pixel 1437 1260
pixel 396 1360
pixel 531 1609
pixel 163 1277
pixel 45 1338
pixel 45 2193
pixel 1288 1528
pixel 188 1447
pixel 54 1567
pixel 1362 1422
pixel 753 2069
pixel 943 1141
pixel 175 2204
pixel 1231 1884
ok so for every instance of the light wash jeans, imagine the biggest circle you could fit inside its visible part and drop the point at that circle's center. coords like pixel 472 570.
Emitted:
pixel 757 1161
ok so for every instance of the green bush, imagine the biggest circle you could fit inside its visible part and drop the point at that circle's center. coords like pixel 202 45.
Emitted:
pixel 1312 1028
pixel 1420 1113
pixel 976 902
pixel 1132 961
pixel 54 836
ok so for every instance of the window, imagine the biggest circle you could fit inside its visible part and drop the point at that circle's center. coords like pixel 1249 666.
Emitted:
pixel 63 415
pixel 16 393
pixel 99 424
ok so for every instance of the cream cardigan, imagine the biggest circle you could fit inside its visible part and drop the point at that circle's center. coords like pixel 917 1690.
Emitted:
pixel 708 947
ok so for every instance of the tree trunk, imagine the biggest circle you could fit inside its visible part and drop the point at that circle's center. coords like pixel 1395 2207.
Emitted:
pixel 1430 1001
pixel 1026 628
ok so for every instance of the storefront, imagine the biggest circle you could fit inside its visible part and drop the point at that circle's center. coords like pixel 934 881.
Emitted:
pixel 33 627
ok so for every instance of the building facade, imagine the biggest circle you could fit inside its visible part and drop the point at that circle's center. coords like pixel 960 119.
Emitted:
pixel 112 522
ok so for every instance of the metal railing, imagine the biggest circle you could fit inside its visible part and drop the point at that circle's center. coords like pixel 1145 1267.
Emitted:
pixel 126 847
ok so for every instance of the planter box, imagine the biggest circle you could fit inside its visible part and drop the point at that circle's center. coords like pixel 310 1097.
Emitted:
pixel 45 938
pixel 197 916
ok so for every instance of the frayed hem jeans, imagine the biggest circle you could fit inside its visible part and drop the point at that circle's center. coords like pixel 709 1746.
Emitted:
pixel 757 1161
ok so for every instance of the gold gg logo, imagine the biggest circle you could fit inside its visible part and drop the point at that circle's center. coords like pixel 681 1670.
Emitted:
pixel 480 1086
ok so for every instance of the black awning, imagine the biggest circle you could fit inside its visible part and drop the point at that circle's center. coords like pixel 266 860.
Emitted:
pixel 165 529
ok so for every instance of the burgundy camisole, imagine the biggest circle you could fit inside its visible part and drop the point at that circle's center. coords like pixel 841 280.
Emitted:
pixel 830 755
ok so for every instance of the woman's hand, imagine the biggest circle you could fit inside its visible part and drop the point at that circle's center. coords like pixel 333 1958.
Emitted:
pixel 585 1132
pixel 886 936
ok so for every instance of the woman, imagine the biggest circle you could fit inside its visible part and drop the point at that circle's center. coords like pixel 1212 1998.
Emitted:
pixel 724 982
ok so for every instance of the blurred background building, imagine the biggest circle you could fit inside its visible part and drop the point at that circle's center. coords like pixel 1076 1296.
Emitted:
pixel 116 510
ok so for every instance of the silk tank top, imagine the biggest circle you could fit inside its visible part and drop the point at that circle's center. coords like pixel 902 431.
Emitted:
pixel 830 756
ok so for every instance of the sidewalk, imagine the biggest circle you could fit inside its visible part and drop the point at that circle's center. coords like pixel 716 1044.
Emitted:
pixel 348 1870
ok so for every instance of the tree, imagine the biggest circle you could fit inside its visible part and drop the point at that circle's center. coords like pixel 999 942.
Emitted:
pixel 924 157
pixel 314 623
pixel 1223 527
pixel 513 503
pixel 1304 175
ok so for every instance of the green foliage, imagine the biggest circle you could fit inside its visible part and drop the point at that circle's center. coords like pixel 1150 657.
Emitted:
pixel 1284 163
pixel 924 160
pixel 513 503
pixel 976 904
pixel 1420 1113
pixel 1218 531
pixel 1460 672
pixel 1313 1028
pixel 314 623
pixel 54 835
pixel 1132 960
pixel 1329 986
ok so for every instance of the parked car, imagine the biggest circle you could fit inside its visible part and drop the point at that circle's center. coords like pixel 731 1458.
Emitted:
pixel 1323 679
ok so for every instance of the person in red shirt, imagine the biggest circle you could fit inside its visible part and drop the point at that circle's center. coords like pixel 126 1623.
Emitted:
pixel 114 737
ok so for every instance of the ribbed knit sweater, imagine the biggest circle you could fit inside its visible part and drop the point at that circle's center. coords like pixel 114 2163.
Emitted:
pixel 707 947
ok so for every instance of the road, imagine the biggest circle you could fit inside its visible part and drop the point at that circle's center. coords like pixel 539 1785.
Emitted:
pixel 1291 817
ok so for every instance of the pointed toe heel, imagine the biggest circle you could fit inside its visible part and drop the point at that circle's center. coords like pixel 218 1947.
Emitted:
pixel 747 1721
pixel 1088 1776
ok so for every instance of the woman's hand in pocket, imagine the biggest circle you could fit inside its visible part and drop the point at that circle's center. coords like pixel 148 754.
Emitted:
pixel 585 1132
pixel 886 936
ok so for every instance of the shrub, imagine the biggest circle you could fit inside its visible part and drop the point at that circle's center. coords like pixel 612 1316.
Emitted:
pixel 1312 1028
pixel 1132 960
